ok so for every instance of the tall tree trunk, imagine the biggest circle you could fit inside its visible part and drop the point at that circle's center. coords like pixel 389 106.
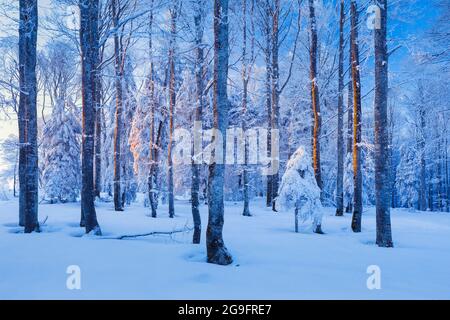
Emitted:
pixel 422 190
pixel 28 154
pixel 340 140
pixel 246 211
pixel 89 56
pixel 447 188
pixel 16 159
pixel 315 99
pixel 357 126
pixel 98 137
pixel 198 122
pixel 216 251
pixel 268 93
pixel 152 171
pixel 118 203
pixel 382 153
pixel 349 205
pixel 172 103
pixel 275 95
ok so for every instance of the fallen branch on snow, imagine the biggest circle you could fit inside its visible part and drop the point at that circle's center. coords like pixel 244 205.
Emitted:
pixel 153 233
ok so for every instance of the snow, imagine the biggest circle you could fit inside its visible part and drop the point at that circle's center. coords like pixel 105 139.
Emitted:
pixel 299 188
pixel 270 260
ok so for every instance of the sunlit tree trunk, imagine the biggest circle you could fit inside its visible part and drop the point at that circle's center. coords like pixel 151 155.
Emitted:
pixel 315 99
pixel 357 175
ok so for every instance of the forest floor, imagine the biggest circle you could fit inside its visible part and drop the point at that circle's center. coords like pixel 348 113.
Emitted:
pixel 270 260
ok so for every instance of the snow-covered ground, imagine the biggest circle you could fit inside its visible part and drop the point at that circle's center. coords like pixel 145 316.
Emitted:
pixel 270 260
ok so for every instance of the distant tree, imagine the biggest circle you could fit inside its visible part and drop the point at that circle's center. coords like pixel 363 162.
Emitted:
pixel 407 182
pixel 61 164
pixel 9 156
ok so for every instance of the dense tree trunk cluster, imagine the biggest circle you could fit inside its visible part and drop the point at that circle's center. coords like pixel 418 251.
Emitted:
pixel 149 69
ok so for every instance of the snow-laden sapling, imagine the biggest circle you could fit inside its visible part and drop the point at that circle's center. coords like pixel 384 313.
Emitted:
pixel 299 190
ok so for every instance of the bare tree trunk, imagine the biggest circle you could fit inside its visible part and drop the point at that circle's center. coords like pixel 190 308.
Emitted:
pixel 422 191
pixel 315 100
pixel 357 175
pixel 216 251
pixel 447 187
pixel 118 203
pixel 28 152
pixel 268 92
pixel 172 102
pixel 349 205
pixel 98 138
pixel 245 79
pixel 152 172
pixel 89 56
pixel 16 160
pixel 198 122
pixel 340 140
pixel 275 94
pixel 382 153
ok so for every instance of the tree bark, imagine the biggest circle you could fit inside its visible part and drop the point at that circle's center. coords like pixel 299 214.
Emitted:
pixel 216 251
pixel 268 93
pixel 28 153
pixel 198 122
pixel 89 64
pixel 275 95
pixel 315 99
pixel 357 175
pixel 349 205
pixel 245 79
pixel 340 139
pixel 153 144
pixel 382 153
pixel 98 137
pixel 421 145
pixel 118 203
pixel 172 103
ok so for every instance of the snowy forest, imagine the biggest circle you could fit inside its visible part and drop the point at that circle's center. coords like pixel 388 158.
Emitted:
pixel 303 133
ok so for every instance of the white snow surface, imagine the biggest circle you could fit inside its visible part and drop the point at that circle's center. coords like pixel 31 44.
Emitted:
pixel 270 260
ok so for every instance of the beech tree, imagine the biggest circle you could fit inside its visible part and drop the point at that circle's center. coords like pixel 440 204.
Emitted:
pixel 89 61
pixel 199 23
pixel 382 153
pixel 174 12
pixel 216 251
pixel 357 117
pixel 27 117
pixel 340 129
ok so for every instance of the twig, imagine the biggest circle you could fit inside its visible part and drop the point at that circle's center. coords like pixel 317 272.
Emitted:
pixel 153 233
